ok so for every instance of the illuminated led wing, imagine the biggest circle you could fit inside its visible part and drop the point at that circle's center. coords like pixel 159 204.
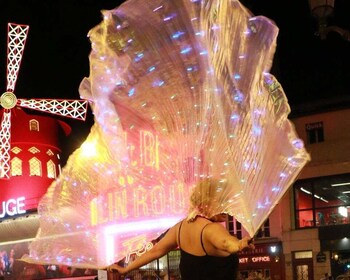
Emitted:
pixel 180 92
pixel 75 109
pixel 5 144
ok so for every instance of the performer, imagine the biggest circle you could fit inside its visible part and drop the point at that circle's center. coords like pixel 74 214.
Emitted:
pixel 208 250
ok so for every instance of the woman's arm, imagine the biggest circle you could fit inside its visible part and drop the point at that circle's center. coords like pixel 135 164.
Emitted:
pixel 221 239
pixel 167 243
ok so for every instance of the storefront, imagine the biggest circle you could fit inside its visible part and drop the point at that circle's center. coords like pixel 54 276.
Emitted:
pixel 265 262
pixel 336 240
pixel 33 164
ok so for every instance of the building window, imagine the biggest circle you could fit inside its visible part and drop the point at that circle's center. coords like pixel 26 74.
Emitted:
pixel 322 201
pixel 16 150
pixel 16 167
pixel 264 231
pixel 234 227
pixel 314 132
pixel 33 125
pixel 51 169
pixel 34 167
pixel 33 150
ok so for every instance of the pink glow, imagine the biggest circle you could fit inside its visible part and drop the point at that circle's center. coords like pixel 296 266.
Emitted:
pixel 139 228
pixel 142 226
pixel 167 116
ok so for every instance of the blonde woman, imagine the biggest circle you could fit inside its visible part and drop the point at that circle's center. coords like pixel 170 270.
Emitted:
pixel 208 250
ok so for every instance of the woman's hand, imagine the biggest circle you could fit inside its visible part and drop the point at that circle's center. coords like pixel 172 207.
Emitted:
pixel 116 268
pixel 246 243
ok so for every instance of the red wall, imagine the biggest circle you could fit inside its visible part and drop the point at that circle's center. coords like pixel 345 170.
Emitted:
pixel 47 138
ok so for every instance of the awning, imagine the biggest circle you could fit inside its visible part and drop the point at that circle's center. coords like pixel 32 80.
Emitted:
pixel 19 229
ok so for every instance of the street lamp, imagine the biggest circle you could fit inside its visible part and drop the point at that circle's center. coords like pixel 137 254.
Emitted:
pixel 323 10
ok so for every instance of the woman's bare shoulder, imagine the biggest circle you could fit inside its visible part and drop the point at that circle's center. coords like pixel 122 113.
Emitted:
pixel 175 227
pixel 215 228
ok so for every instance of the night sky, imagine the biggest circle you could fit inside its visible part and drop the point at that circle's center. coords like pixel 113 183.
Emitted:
pixel 314 73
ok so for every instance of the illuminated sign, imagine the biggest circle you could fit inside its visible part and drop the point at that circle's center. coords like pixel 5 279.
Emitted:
pixel 141 244
pixel 153 201
pixel 139 203
pixel 12 207
pixel 147 153
pixel 255 259
pixel 139 198
pixel 127 201
pixel 131 237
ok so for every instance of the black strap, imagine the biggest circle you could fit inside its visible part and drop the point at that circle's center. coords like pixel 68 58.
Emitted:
pixel 202 239
pixel 178 236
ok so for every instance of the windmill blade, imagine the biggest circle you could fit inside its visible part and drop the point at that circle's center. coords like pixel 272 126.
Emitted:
pixel 5 145
pixel 75 109
pixel 17 35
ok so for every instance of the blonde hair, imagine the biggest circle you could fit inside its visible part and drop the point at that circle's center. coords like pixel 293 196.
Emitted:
pixel 205 198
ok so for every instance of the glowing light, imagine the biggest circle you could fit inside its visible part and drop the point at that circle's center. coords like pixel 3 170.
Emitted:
pixel 177 34
pixel 343 211
pixel 257 130
pixel 298 143
pixel 158 83
pixel 158 8
pixel 88 149
pixel 132 245
pixel 273 249
pixel 139 57
pixel 235 117
pixel 238 96
pixel 169 17
pixel 166 222
pixel 340 184
pixel 151 69
pixel 186 50
pixel 237 76
pixel 131 92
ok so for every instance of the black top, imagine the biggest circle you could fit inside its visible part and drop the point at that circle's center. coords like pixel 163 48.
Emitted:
pixel 207 267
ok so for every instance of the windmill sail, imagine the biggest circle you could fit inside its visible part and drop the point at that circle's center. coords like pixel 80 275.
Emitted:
pixel 181 91
pixel 17 36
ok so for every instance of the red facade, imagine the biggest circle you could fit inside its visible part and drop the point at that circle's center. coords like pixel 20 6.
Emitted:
pixel 34 161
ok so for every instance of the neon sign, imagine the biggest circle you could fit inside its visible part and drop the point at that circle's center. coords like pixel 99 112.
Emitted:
pixel 153 201
pixel 142 246
pixel 257 259
pixel 132 209
pixel 133 198
pixel 13 207
pixel 133 241
pixel 148 153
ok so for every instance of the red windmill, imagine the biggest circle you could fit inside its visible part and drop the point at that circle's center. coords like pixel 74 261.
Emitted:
pixel 17 35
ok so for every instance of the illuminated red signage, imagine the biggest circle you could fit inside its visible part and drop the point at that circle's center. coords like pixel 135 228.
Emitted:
pixel 255 259
pixel 12 207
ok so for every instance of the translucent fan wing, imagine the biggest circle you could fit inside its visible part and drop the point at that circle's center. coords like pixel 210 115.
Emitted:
pixel 181 92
